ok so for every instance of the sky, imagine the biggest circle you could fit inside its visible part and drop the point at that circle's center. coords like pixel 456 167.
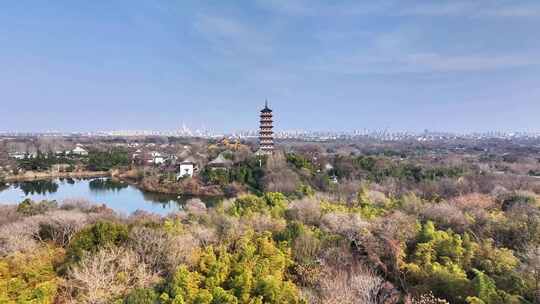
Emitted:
pixel 403 65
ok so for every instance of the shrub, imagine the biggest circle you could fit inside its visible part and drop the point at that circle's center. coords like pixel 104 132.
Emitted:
pixel 29 207
pixel 518 198
pixel 95 237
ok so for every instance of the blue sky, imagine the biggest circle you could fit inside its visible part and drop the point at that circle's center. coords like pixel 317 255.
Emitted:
pixel 338 65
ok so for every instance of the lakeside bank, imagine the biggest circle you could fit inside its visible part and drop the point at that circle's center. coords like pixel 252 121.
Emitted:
pixel 34 176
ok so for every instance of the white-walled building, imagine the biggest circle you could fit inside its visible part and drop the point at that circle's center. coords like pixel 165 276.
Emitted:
pixel 79 151
pixel 187 168
pixel 156 158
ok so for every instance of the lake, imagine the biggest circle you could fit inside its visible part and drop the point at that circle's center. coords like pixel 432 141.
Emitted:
pixel 117 195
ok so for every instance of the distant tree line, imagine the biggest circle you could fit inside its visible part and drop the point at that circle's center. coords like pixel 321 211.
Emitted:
pixel 43 161
pixel 106 160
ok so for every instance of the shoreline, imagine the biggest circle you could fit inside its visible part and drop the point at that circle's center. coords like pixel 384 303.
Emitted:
pixel 34 176
pixel 149 188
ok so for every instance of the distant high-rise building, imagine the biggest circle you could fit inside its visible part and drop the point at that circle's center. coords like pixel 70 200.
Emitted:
pixel 266 133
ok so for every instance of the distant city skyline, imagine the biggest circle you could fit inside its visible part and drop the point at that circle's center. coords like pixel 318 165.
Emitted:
pixel 456 66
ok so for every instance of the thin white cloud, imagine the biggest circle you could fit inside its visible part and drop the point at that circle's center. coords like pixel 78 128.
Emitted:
pixel 324 8
pixel 232 36
pixel 473 9
pixel 423 63
pixel 438 9
pixel 442 63
pixel 515 11
pixel 457 8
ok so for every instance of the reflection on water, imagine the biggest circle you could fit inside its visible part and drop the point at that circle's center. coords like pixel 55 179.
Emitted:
pixel 159 197
pixel 117 195
pixel 106 184
pixel 68 180
pixel 37 187
pixel 167 199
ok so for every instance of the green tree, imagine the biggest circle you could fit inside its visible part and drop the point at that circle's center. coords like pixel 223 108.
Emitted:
pixel 250 270
pixel 141 296
pixel 91 239
pixel 106 160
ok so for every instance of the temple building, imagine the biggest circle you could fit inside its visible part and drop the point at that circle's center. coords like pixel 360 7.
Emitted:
pixel 266 133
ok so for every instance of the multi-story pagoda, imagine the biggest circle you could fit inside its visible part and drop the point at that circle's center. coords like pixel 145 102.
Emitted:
pixel 266 133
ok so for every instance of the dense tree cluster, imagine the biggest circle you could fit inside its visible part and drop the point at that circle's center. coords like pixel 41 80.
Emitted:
pixel 300 227
pixel 106 160
pixel 44 161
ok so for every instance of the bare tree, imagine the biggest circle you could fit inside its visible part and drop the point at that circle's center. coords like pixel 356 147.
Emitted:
pixel 180 251
pixel 262 222
pixel 279 177
pixel 8 214
pixel 348 225
pixel 531 267
pixel 306 210
pixel 97 279
pixel 204 235
pixel 19 236
pixel 60 226
pixel 396 226
pixel 151 246
pixel 356 285
pixel 446 216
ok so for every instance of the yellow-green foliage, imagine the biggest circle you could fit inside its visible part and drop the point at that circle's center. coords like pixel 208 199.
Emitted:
pixel 474 300
pixel 173 226
pixel 363 206
pixel 29 278
pixel 441 261
pixel 273 203
pixel 366 211
pixel 492 260
pixel 438 261
pixel 252 270
pixel 328 207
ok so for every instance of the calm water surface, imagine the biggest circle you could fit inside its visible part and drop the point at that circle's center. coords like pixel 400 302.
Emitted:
pixel 117 195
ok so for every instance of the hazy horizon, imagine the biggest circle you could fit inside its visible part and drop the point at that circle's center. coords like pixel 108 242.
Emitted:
pixel 453 66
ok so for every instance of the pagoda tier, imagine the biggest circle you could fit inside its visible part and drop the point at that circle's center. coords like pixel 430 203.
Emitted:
pixel 266 134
